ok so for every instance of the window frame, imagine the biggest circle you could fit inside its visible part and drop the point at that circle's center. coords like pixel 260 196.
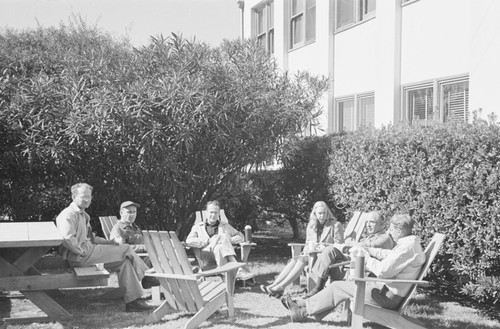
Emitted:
pixel 355 121
pixel 407 2
pixel 301 14
pixel 267 10
pixel 437 86
pixel 358 17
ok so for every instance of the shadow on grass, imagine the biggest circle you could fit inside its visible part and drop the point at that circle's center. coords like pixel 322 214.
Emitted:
pixel 5 306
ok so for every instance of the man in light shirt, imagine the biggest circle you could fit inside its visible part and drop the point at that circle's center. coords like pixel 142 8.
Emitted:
pixel 82 248
pixel 404 261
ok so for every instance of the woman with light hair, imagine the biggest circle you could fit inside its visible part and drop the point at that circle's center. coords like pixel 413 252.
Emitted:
pixel 322 229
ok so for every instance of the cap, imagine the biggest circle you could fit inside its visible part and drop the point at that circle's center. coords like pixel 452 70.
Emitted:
pixel 129 203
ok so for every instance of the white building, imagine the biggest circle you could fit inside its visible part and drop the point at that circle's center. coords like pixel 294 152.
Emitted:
pixel 388 60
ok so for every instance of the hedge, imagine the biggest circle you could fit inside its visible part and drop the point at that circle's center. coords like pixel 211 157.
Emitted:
pixel 445 176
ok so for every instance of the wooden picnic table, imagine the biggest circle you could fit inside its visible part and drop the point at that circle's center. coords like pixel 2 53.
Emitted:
pixel 22 244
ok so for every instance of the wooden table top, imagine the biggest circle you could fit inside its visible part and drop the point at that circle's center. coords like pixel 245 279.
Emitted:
pixel 29 234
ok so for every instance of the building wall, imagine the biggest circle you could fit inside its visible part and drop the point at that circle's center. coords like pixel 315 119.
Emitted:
pixel 435 45
pixel 485 57
pixel 403 44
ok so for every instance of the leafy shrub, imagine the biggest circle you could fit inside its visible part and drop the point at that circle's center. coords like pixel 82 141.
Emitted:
pixel 445 176
pixel 299 183
pixel 169 125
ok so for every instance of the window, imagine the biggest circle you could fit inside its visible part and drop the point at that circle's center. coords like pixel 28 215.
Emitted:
pixel 366 110
pixel 455 100
pixel 264 26
pixel 350 12
pixel 420 104
pixel 437 101
pixel 302 22
pixel 356 111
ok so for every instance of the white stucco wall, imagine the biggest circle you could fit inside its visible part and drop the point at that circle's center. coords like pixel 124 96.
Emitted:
pixel 439 39
pixel 435 45
pixel 355 60
pixel 484 79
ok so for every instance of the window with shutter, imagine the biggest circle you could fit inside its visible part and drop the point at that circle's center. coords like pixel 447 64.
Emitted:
pixel 455 100
pixel 421 105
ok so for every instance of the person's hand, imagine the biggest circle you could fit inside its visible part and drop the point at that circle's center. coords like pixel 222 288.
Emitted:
pixel 223 238
pixel 119 241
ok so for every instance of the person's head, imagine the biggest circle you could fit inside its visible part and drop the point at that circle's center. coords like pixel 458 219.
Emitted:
pixel 401 226
pixel 128 211
pixel 320 212
pixel 213 211
pixel 374 222
pixel 81 193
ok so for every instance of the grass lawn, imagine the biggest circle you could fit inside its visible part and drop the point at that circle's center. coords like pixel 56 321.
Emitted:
pixel 253 309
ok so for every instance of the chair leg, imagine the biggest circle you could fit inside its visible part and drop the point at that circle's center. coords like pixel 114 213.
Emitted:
pixel 347 308
pixel 206 312
pixel 230 305
pixel 159 313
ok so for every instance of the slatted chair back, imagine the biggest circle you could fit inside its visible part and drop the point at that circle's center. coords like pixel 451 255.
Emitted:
pixel 430 253
pixel 168 256
pixel 356 226
pixel 107 223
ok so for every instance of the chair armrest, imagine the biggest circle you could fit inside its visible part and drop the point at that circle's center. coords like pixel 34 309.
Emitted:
pixel 172 276
pixel 295 244
pixel 339 264
pixel 369 279
pixel 247 244
pixel 222 269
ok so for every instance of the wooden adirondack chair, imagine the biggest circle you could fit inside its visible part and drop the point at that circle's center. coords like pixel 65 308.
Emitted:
pixel 185 290
pixel 393 318
pixel 353 230
pixel 107 223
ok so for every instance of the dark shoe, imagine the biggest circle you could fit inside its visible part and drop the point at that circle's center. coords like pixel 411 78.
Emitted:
pixel 137 306
pixel 149 281
pixel 284 302
pixel 297 313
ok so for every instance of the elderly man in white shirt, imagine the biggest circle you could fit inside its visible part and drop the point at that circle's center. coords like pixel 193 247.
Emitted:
pixel 404 261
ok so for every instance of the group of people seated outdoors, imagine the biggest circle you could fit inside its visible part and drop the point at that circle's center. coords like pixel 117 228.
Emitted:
pixel 119 254
pixel 390 254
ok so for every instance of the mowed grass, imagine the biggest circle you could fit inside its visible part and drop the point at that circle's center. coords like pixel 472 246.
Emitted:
pixel 253 309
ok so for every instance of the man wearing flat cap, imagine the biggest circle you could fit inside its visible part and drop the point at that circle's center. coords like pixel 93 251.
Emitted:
pixel 125 230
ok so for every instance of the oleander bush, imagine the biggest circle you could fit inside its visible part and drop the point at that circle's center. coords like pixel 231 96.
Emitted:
pixel 169 125
pixel 445 176
pixel 292 190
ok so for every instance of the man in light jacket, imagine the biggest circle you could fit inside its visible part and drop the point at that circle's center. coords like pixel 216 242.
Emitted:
pixel 215 239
